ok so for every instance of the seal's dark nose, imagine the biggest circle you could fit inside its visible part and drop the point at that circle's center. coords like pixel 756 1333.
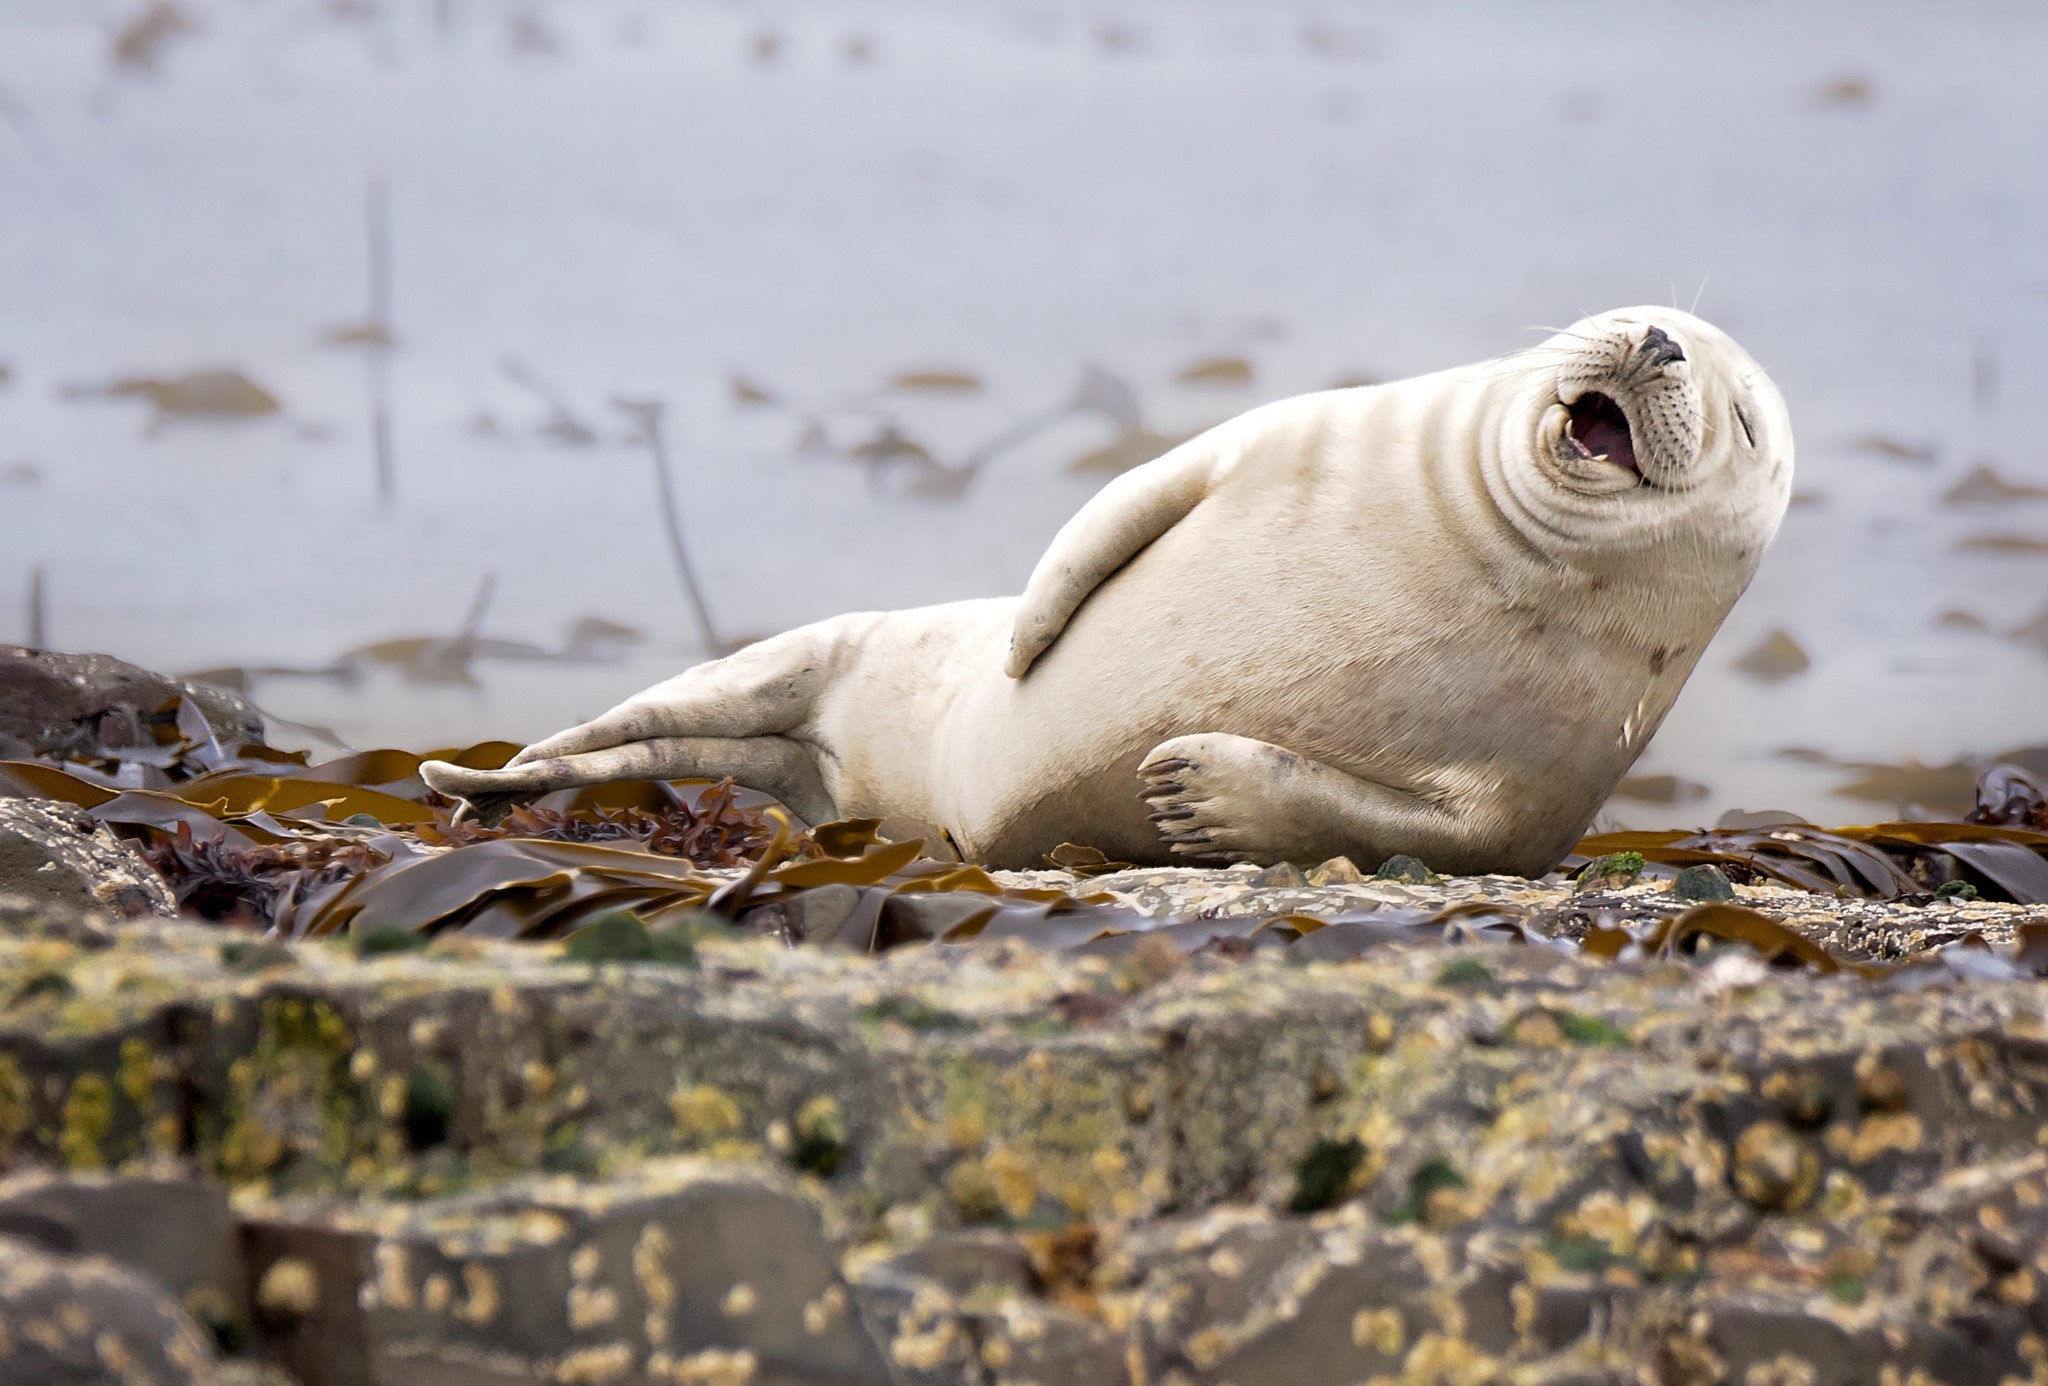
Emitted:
pixel 1658 349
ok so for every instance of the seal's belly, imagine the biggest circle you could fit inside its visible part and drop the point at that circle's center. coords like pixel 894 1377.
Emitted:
pixel 1424 687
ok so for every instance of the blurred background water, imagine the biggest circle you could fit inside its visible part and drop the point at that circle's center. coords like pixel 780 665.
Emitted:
pixel 316 317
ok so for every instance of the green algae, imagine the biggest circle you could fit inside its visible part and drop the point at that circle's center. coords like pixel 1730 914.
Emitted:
pixel 292 1107
pixel 1434 1175
pixel 88 1117
pixel 1591 1029
pixel 1323 1175
pixel 1614 869
pixel 15 1111
pixel 1401 867
pixel 822 1136
pixel 913 1012
pixel 1465 972
pixel 430 1098
pixel 137 1074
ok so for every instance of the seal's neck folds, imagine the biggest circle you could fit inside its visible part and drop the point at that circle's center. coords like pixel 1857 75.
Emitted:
pixel 1638 452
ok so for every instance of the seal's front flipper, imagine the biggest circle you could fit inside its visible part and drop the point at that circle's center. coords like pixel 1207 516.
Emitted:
pixel 1230 798
pixel 772 764
pixel 1107 533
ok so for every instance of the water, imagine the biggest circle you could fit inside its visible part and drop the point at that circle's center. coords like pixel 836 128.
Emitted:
pixel 646 200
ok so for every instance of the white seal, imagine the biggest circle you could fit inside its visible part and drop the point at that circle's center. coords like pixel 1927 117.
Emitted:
pixel 1438 617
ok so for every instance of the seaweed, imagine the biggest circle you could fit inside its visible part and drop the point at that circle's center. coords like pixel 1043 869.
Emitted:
pixel 357 847
pixel 715 831
pixel 227 883
pixel 2010 797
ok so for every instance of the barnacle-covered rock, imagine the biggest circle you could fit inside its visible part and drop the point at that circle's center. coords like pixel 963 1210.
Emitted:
pixel 176 1231
pixel 678 1267
pixel 53 854
pixel 1410 1159
pixel 83 1321
pixel 52 703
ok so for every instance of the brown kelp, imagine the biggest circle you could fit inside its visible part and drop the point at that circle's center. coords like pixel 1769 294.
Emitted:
pixel 266 840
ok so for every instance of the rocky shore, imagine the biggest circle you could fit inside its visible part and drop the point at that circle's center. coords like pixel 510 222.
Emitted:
pixel 482 1162
pixel 302 1082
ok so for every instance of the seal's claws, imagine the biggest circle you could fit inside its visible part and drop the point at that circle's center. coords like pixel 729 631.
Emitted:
pixel 1165 767
pixel 1171 814
pixel 1198 836
pixel 1160 791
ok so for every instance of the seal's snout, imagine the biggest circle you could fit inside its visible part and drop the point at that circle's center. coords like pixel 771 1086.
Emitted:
pixel 1658 349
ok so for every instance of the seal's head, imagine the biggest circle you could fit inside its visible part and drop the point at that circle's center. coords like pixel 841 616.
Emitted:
pixel 1644 423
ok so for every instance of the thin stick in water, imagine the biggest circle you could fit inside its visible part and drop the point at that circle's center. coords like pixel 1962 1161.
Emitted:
pixel 377 212
pixel 38 610
pixel 647 414
pixel 1984 377
pixel 377 209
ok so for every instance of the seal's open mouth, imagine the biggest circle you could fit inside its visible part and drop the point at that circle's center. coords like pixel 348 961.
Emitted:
pixel 1600 430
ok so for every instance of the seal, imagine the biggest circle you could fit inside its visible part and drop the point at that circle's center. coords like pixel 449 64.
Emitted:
pixel 1438 617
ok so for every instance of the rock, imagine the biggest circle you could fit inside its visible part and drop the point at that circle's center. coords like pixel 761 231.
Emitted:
pixel 1401 867
pixel 684 1266
pixel 53 854
pixel 819 913
pixel 22 917
pixel 483 1162
pixel 1280 876
pixel 1704 882
pixel 83 1321
pixel 1258 1300
pixel 176 1231
pixel 927 916
pixel 1617 870
pixel 1337 871
pixel 49 701
pixel 970 1310
pixel 1773 1168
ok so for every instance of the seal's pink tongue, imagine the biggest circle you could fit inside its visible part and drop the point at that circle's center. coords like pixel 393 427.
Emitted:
pixel 1601 430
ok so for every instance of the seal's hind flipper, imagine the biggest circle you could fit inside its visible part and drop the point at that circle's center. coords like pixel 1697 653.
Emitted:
pixel 1107 533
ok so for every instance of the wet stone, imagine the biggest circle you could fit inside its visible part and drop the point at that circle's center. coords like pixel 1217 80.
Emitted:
pixel 176 1231
pixel 48 699
pixel 53 854
pixel 1337 871
pixel 1403 868
pixel 1773 1168
pixel 1281 876
pixel 987 1163
pixel 1704 882
pixel 676 1260
pixel 817 914
pixel 967 1307
pixel 84 1321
